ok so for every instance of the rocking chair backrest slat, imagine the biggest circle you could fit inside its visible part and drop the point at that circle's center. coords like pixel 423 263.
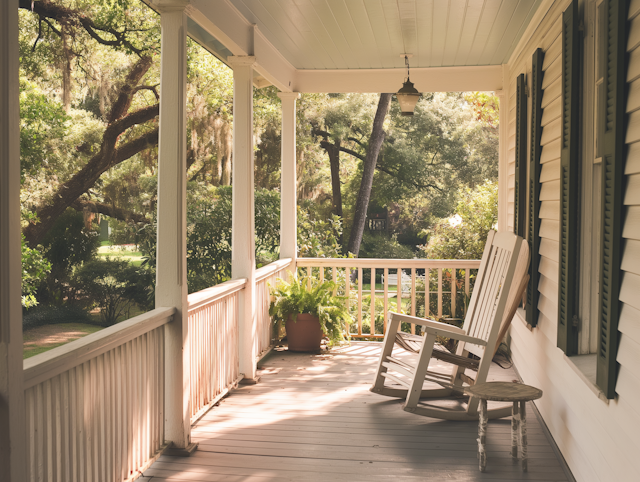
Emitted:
pixel 479 279
pixel 489 299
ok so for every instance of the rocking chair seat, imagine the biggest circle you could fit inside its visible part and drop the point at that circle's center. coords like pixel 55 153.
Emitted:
pixel 413 343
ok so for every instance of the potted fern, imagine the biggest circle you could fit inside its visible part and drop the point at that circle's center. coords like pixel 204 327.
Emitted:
pixel 309 313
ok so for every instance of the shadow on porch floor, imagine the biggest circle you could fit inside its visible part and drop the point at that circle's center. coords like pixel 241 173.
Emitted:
pixel 312 418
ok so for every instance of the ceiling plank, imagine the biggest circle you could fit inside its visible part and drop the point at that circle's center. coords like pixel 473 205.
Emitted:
pixel 487 20
pixel 457 13
pixel 424 22
pixel 501 24
pixel 376 16
pixel 469 30
pixel 440 25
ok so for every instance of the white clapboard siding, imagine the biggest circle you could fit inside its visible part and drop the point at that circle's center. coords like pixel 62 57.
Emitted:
pixel 95 406
pixel 598 440
pixel 628 384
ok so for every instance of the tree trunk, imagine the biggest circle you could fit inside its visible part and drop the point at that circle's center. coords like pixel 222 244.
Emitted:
pixel 373 149
pixel 334 161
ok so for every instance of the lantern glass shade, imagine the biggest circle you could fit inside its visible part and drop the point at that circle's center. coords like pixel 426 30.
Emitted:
pixel 408 97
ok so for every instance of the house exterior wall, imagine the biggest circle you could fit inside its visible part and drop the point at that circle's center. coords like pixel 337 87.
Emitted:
pixel 598 438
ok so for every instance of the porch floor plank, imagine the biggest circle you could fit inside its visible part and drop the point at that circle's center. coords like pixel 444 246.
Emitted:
pixel 312 418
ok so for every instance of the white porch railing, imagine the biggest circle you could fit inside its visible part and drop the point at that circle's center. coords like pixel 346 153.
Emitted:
pixel 213 338
pixel 265 277
pixel 428 288
pixel 94 407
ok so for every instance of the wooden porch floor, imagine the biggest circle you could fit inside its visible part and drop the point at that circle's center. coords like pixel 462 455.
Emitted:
pixel 312 418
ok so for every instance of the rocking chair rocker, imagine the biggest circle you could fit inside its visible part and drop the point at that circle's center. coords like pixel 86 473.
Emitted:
pixel 500 284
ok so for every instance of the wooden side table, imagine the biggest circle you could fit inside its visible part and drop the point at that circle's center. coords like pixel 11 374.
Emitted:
pixel 517 393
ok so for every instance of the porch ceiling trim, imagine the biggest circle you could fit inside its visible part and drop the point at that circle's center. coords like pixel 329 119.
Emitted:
pixel 431 79
pixel 243 38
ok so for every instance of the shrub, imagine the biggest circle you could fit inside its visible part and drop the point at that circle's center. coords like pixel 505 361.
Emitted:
pixel 114 286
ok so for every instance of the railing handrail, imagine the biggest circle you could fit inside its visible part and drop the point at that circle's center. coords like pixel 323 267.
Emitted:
pixel 60 359
pixel 272 268
pixel 419 263
pixel 215 293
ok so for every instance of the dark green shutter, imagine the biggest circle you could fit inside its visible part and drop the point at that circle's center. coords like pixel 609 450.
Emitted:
pixel 611 137
pixel 521 156
pixel 533 231
pixel 569 183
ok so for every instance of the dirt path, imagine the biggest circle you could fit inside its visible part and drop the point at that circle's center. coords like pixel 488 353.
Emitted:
pixel 44 338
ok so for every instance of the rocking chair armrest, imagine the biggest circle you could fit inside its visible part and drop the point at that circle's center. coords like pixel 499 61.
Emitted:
pixel 436 325
pixel 456 335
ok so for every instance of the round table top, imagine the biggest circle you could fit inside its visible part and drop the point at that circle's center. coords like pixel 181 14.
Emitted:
pixel 504 391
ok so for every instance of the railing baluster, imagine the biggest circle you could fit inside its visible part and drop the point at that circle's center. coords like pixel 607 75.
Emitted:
pixel 467 285
pixel 399 290
pixel 386 297
pixel 440 292
pixel 321 273
pixel 413 299
pixel 454 292
pixel 427 293
pixel 373 301
pixel 335 280
pixel 359 301
pixel 347 290
pixel 309 274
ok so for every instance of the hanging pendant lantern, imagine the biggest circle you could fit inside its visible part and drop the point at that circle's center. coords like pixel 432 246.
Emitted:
pixel 407 96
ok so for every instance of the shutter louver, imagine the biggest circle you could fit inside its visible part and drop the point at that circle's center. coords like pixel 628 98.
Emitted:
pixel 611 140
pixel 533 231
pixel 569 187
pixel 521 156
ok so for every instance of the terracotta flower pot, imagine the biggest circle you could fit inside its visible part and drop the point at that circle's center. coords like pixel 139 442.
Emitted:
pixel 304 334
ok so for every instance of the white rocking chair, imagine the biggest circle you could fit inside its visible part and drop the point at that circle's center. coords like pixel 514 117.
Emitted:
pixel 500 284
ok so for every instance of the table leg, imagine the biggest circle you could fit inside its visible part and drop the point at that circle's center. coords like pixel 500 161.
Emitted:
pixel 482 435
pixel 523 435
pixel 515 423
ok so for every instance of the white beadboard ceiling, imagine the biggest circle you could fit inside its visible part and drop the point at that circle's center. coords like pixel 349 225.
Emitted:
pixel 371 34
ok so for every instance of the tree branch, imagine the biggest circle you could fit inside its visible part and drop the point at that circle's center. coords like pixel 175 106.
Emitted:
pixel 62 14
pixel 109 210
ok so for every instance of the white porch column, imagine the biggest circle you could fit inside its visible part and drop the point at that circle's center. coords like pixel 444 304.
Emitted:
pixel 243 258
pixel 503 142
pixel 288 181
pixel 171 275
pixel 13 465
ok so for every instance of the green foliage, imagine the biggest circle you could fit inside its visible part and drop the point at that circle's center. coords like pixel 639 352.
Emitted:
pixel 318 238
pixel 293 298
pixel 114 286
pixel 35 269
pixel 68 243
pixel 381 246
pixel 464 235
pixel 42 122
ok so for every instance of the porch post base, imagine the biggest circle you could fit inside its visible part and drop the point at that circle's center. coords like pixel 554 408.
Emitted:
pixel 180 451
pixel 249 381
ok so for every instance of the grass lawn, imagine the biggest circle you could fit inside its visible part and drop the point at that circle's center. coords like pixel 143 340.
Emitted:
pixel 379 287
pixel 44 338
pixel 125 252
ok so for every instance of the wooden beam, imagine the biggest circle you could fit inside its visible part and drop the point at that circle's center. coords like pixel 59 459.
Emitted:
pixel 433 79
